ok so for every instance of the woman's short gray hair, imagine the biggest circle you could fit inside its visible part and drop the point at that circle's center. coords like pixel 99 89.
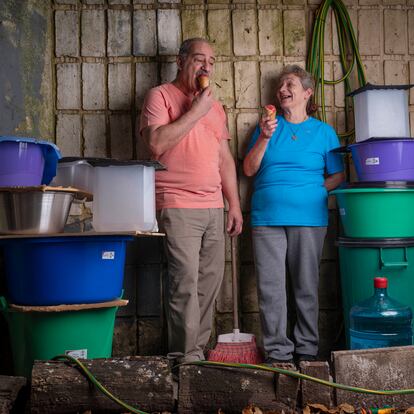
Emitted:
pixel 306 79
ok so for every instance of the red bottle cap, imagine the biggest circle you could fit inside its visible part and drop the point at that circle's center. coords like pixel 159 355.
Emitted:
pixel 380 282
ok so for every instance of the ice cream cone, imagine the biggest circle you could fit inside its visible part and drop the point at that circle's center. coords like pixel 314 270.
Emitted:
pixel 203 81
pixel 270 111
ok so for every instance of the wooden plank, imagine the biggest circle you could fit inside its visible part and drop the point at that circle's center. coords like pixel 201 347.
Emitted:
pixel 70 308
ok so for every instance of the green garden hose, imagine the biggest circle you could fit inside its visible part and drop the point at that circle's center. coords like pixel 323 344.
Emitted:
pixel 348 53
pixel 85 371
pixel 276 370
pixel 299 375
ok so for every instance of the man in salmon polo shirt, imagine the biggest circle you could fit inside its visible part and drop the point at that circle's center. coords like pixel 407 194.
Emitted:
pixel 185 129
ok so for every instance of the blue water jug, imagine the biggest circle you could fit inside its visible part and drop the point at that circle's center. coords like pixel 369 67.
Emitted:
pixel 380 321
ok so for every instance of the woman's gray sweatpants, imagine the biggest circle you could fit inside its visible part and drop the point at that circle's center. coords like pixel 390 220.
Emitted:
pixel 300 249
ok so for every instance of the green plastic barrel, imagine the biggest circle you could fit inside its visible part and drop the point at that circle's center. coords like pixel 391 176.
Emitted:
pixel 41 333
pixel 361 260
pixel 376 212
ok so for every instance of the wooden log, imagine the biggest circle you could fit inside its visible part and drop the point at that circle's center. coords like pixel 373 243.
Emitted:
pixel 11 388
pixel 142 382
pixel 205 390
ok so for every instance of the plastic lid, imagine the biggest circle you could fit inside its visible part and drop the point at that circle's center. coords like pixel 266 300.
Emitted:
pixel 64 163
pixel 370 87
pixel 347 148
pixel 381 184
pixel 380 282
pixel 352 242
pixel 381 140
pixel 107 162
pixel 387 139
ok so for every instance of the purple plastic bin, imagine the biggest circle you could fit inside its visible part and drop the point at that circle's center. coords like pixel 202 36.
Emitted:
pixel 21 164
pixel 389 159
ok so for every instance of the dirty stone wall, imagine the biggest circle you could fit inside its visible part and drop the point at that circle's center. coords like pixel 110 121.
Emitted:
pixel 104 56
pixel 26 69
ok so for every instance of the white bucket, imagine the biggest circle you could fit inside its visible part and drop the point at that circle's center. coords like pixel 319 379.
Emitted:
pixel 381 112
pixel 124 198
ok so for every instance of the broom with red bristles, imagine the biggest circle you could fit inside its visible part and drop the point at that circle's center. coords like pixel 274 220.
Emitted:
pixel 235 347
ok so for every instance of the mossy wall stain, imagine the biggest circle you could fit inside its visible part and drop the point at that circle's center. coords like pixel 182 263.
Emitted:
pixel 26 104
pixel 294 37
pixel 192 24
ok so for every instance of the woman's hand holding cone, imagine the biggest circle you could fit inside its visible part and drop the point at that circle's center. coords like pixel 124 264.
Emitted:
pixel 268 122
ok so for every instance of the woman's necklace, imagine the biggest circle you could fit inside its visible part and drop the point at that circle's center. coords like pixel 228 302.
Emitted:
pixel 294 132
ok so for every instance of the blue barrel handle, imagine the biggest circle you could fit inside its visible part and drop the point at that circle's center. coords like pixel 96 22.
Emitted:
pixel 384 264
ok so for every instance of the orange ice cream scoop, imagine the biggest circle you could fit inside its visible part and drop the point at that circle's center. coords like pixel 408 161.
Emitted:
pixel 270 111
pixel 203 81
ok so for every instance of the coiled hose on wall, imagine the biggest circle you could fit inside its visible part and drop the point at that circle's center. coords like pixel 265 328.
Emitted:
pixel 348 53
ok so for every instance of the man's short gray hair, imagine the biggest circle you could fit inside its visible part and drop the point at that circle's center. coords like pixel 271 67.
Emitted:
pixel 186 46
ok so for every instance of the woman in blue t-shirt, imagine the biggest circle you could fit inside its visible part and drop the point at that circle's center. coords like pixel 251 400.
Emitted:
pixel 293 168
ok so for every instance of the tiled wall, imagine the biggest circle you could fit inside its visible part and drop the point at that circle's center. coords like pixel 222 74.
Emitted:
pixel 109 53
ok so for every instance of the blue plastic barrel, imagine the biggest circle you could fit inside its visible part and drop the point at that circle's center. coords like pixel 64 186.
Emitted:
pixel 64 269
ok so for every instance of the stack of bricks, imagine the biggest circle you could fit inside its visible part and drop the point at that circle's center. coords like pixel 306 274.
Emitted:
pixel 108 53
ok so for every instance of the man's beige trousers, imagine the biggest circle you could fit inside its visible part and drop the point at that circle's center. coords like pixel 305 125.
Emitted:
pixel 195 252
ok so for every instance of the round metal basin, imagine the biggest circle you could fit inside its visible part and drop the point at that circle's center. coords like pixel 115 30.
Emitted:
pixel 34 212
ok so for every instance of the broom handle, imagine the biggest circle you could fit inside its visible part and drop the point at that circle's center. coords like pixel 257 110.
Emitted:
pixel 234 282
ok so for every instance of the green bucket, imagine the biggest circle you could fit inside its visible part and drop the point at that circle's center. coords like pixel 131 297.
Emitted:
pixel 361 260
pixel 42 332
pixel 376 212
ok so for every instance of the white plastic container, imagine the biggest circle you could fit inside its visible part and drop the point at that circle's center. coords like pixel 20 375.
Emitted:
pixel 381 112
pixel 124 198
pixel 78 174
